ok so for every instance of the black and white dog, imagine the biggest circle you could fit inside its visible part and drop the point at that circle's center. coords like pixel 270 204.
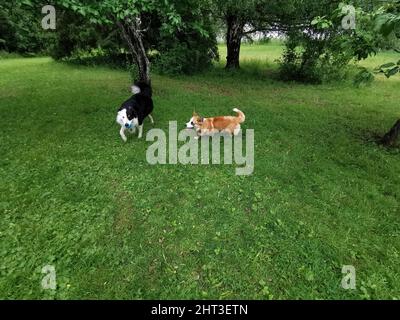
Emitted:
pixel 133 111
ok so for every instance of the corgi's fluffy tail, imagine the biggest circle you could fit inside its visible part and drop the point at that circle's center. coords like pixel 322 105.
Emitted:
pixel 241 115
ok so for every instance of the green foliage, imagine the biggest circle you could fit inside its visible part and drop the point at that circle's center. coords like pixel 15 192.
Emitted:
pixel 258 15
pixel 388 20
pixel 20 29
pixel 111 11
pixel 133 72
pixel 181 31
pixel 324 49
pixel 76 35
pixel 363 78
pixel 98 57
pixel 321 22
pixel 180 58
pixel 193 46
pixel 312 52
pixel 244 9
pixel 389 69
pixel 386 26
pixel 312 60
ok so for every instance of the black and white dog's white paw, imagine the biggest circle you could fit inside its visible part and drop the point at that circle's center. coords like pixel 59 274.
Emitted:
pixel 122 134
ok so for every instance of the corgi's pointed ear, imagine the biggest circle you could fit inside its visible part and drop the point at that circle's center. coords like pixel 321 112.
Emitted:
pixel 195 114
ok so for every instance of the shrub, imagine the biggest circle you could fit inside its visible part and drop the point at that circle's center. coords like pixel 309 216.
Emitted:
pixel 18 33
pixel 322 50
pixel 192 47
pixel 76 39
pixel 313 60
pixel 99 56
pixel 185 54
pixel 181 58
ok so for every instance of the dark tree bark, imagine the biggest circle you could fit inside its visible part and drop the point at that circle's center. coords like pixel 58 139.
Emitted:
pixel 233 40
pixel 391 137
pixel 133 36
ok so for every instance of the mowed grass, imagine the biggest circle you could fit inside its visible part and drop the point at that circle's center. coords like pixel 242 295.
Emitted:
pixel 268 53
pixel 72 195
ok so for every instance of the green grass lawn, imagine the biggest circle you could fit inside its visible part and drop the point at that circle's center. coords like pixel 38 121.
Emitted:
pixel 268 53
pixel 323 193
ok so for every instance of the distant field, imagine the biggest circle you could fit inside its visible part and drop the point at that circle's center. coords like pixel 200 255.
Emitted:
pixel 72 195
pixel 269 54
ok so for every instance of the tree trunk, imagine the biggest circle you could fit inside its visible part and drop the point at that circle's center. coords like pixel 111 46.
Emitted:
pixel 134 38
pixel 233 40
pixel 390 138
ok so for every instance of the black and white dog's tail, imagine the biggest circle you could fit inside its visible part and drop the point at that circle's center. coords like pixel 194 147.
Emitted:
pixel 140 87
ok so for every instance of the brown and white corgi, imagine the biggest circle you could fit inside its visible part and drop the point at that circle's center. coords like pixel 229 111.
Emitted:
pixel 223 124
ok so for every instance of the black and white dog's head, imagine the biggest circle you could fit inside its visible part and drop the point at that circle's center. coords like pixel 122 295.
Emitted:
pixel 127 117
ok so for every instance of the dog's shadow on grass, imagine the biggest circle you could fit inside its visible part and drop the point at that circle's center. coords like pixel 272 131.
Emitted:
pixel 370 137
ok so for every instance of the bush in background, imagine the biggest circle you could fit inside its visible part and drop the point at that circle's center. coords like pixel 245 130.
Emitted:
pixel 190 48
pixel 312 60
pixel 185 57
pixel 78 39
pixel 99 56
pixel 20 29
pixel 322 49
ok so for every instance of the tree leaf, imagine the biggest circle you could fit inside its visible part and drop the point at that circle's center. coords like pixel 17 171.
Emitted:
pixel 387 65
pixel 392 72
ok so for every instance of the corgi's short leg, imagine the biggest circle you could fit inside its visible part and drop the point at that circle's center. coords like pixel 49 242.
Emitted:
pixel 227 131
pixel 236 131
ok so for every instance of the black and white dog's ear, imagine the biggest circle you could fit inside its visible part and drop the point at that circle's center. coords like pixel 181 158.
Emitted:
pixel 131 113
